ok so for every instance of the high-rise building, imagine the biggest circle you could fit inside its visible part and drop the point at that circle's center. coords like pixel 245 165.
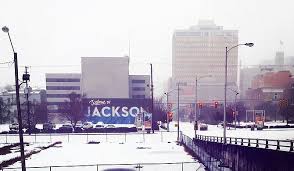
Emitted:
pixel 279 60
pixel 200 50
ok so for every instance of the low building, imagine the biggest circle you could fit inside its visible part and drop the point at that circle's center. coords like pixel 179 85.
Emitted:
pixel 139 86
pixel 58 88
pixel 37 104
pixel 104 79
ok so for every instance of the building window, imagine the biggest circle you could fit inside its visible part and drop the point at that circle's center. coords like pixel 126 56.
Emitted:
pixel 60 95
pixel 138 96
pixel 63 80
pixel 138 81
pixel 138 88
pixel 62 87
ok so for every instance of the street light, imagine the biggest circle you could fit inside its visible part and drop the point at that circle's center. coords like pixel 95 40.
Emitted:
pixel 23 165
pixel 196 94
pixel 226 75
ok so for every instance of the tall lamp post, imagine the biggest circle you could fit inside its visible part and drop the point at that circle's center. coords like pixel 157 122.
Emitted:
pixel 226 75
pixel 196 94
pixel 23 165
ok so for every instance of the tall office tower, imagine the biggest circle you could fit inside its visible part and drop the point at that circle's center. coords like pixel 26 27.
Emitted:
pixel 279 61
pixel 200 50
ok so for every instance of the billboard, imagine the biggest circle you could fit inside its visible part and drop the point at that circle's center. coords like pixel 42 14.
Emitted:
pixel 114 110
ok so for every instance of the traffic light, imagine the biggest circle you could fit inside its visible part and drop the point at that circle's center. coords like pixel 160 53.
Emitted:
pixel 170 116
pixel 200 105
pixel 215 104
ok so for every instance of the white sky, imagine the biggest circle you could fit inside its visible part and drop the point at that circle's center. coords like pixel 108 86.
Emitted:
pixel 48 32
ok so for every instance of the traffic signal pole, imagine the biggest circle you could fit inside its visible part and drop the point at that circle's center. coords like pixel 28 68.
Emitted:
pixel 152 99
pixel 167 116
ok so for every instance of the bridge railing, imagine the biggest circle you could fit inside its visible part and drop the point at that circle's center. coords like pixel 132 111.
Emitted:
pixel 285 145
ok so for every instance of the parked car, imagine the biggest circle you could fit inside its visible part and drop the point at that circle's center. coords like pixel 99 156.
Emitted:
pixel 99 127
pixel 110 128
pixel 87 125
pixel 14 126
pixel 66 128
pixel 48 127
pixel 79 127
pixel 203 127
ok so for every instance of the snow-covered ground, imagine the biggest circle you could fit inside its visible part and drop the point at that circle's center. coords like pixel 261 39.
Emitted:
pixel 214 130
pixel 132 148
pixel 14 151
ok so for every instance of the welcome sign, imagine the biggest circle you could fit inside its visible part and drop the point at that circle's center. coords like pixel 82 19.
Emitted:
pixel 114 110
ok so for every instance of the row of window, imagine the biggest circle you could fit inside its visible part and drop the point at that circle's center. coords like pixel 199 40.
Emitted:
pixel 63 80
pixel 138 81
pixel 138 88
pixel 60 95
pixel 138 96
pixel 62 87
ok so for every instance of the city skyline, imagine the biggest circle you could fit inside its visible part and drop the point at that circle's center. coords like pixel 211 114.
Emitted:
pixel 53 35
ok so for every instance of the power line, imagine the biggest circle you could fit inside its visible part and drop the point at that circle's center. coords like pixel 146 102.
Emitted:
pixel 209 65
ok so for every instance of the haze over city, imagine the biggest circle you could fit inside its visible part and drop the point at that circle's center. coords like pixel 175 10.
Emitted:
pixel 52 36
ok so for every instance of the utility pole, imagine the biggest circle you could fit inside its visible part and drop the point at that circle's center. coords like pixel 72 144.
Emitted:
pixel 27 97
pixel 178 113
pixel 196 119
pixel 225 102
pixel 167 116
pixel 152 100
pixel 22 156
pixel 236 112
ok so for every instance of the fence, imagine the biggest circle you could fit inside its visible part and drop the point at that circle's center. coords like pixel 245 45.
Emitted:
pixel 207 160
pixel 176 166
pixel 285 145
pixel 235 155
pixel 161 136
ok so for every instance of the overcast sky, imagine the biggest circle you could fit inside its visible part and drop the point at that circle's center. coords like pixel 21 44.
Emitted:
pixel 48 33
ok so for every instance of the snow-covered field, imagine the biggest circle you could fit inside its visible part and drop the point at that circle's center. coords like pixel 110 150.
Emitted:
pixel 129 149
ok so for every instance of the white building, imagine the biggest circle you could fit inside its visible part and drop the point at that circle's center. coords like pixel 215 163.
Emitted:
pixel 200 50
pixel 105 77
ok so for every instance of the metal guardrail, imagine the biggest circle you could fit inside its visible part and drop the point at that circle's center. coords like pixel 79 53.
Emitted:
pixel 183 166
pixel 266 143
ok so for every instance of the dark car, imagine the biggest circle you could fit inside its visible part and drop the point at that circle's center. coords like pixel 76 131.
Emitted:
pixel 66 128
pixel 48 127
pixel 78 127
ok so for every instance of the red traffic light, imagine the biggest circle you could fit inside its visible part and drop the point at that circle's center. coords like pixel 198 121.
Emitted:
pixel 200 105
pixel 170 116
pixel 215 104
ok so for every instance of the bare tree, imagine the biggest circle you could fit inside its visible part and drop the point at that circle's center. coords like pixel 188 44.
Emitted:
pixel 4 111
pixel 72 109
